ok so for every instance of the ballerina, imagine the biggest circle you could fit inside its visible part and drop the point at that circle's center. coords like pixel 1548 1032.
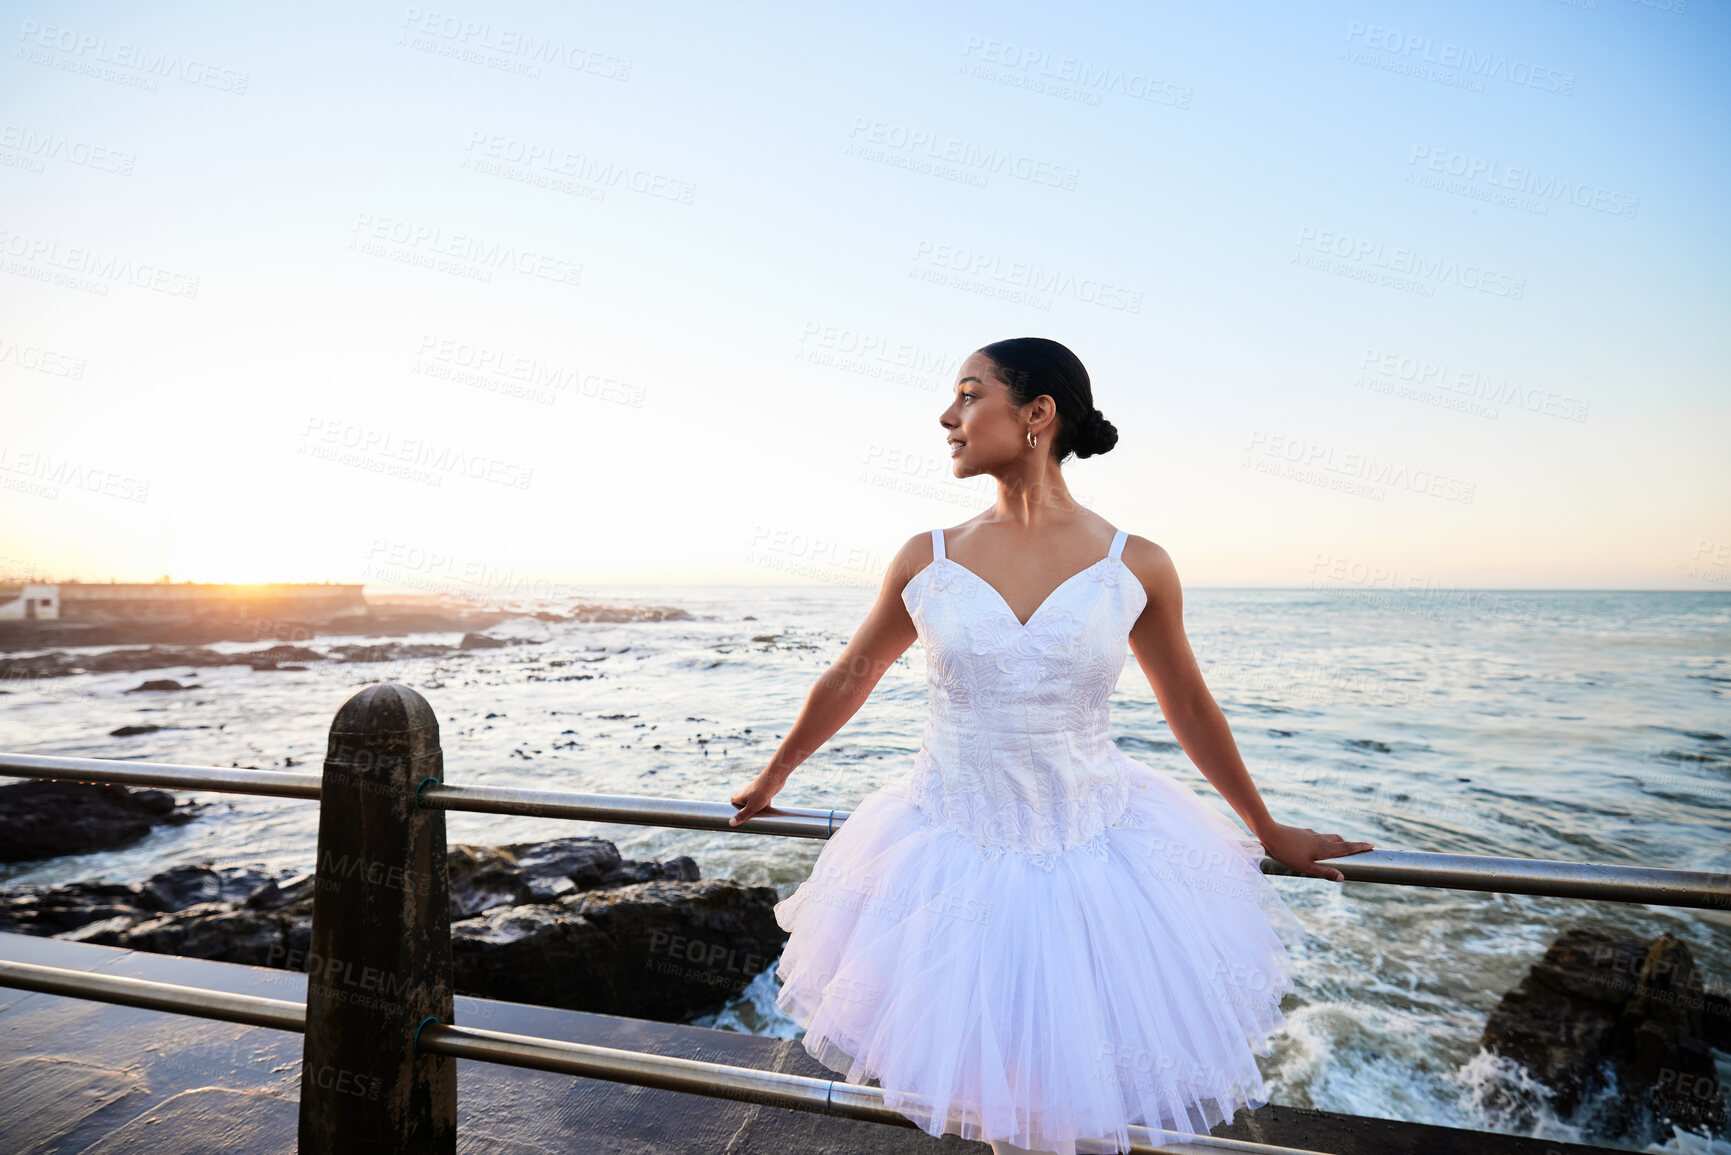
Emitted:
pixel 1031 938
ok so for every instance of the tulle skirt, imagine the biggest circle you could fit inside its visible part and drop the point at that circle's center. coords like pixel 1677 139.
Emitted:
pixel 993 999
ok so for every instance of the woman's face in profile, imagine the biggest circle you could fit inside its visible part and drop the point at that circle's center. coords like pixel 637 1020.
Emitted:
pixel 985 430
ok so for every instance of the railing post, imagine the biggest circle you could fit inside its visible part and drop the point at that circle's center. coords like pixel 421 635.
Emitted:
pixel 380 961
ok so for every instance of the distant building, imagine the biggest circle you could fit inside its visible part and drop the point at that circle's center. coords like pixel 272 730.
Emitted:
pixel 29 601
pixel 130 601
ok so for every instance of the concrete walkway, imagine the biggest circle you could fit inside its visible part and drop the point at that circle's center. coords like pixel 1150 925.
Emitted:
pixel 88 1078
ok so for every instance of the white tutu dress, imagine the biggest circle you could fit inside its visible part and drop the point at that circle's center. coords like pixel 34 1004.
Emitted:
pixel 1031 936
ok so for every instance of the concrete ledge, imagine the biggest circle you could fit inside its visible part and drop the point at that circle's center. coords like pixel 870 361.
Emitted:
pixel 98 1079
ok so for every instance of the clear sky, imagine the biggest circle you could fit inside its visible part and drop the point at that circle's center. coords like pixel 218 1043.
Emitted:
pixel 615 293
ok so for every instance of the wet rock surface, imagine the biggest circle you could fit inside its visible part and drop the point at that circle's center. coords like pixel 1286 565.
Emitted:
pixel 590 612
pixel 566 923
pixel 650 950
pixel 200 630
pixel 46 818
pixel 170 642
pixel 1617 1028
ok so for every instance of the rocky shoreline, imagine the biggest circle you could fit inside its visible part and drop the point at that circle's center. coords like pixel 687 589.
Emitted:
pixel 1615 1028
pixel 204 629
pixel 47 818
pixel 181 642
pixel 566 923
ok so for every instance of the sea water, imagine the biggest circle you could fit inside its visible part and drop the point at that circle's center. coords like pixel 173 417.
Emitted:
pixel 1585 726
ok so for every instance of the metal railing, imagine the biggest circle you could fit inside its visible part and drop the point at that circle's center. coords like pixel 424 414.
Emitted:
pixel 383 771
pixel 1660 886
pixel 714 1080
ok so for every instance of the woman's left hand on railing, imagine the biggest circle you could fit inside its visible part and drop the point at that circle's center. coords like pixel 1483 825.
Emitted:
pixel 756 796
pixel 1300 848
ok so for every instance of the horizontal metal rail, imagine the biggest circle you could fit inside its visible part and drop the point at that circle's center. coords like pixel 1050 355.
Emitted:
pixel 219 779
pixel 612 1064
pixel 1658 886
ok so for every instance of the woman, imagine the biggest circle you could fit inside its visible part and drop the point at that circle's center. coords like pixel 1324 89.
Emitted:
pixel 1031 938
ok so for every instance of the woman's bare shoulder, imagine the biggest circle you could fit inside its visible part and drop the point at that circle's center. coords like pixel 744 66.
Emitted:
pixel 915 554
pixel 1151 564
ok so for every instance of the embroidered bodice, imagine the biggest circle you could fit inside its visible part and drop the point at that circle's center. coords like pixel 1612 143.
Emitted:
pixel 1016 754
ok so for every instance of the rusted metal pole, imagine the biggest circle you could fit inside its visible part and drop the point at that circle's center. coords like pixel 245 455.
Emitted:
pixel 380 960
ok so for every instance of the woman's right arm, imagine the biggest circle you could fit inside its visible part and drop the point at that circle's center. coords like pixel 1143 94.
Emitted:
pixel 841 690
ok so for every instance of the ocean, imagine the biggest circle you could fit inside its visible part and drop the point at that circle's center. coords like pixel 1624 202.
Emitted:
pixel 1588 726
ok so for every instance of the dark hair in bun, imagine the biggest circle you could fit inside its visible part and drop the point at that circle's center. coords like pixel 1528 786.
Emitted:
pixel 1030 366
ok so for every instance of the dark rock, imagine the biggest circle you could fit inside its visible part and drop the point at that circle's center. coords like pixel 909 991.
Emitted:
pixel 59 664
pixel 102 932
pixel 35 910
pixel 54 664
pixel 588 863
pixel 586 612
pixel 282 895
pixel 44 818
pixel 481 642
pixel 56 911
pixel 129 731
pixel 203 629
pixel 182 886
pixel 546 871
pixel 273 657
pixel 655 950
pixel 225 933
pixel 566 923
pixel 391 652
pixel 681 869
pixel 162 684
pixel 1604 1016
pixel 152 658
pixel 482 877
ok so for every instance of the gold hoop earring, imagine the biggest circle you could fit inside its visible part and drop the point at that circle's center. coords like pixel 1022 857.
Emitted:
pixel 1033 442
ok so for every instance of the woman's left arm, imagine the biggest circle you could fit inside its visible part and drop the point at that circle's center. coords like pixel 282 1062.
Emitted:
pixel 1163 651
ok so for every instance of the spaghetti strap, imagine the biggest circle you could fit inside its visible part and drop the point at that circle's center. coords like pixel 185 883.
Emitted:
pixel 937 545
pixel 1117 545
